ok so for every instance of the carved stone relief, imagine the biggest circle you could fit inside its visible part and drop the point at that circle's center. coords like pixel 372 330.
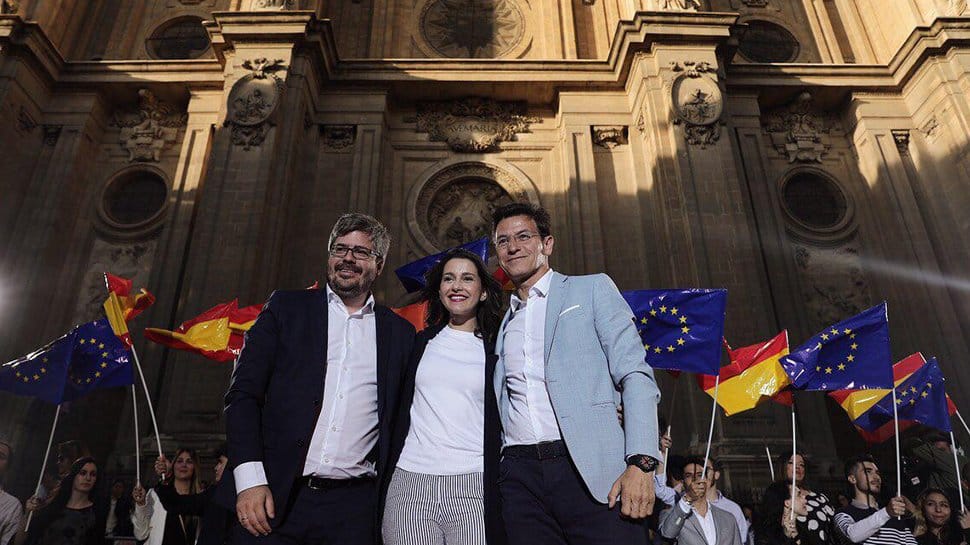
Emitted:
pixel 51 134
pixel 677 5
pixel 901 137
pixel 472 28
pixel 610 136
pixel 268 5
pixel 834 284
pixel 798 131
pixel 455 205
pixel 755 3
pixel 956 7
pixel 338 138
pixel 931 127
pixel 252 101
pixel 145 132
pixel 25 122
pixel 698 103
pixel 473 125
pixel 8 7
pixel 130 260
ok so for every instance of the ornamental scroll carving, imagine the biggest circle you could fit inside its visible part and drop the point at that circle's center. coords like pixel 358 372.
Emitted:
pixel 698 102
pixel 798 131
pixel 252 101
pixel 677 5
pixel 147 131
pixel 455 205
pixel 473 125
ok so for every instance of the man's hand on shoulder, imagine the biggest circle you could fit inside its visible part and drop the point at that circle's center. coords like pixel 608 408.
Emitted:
pixel 635 490
pixel 254 509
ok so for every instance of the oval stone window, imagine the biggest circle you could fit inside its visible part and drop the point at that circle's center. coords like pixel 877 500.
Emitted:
pixel 768 42
pixel 814 200
pixel 134 198
pixel 182 38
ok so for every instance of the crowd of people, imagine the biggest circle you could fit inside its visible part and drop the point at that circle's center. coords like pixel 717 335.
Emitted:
pixel 532 425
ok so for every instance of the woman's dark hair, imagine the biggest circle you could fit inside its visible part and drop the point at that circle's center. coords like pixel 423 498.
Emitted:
pixel 782 461
pixel 489 312
pixel 53 510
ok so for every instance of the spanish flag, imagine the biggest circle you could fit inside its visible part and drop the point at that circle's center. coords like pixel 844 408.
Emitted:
pixel 753 375
pixel 503 279
pixel 857 403
pixel 121 306
pixel 216 334
pixel 416 313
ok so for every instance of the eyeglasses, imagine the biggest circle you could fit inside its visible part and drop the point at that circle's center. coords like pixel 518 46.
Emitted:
pixel 359 252
pixel 502 242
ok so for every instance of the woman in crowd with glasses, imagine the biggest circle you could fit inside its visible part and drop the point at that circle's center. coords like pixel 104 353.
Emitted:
pixel 445 449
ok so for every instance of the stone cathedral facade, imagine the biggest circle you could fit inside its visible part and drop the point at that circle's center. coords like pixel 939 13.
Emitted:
pixel 812 156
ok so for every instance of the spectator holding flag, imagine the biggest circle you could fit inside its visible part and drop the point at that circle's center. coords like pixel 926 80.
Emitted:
pixel 813 511
pixel 71 518
pixel 152 522
pixel 862 521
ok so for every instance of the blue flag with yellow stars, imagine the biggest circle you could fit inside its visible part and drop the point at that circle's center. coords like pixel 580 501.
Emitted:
pixel 681 330
pixel 99 360
pixel 412 274
pixel 88 358
pixel 852 354
pixel 921 397
pixel 41 374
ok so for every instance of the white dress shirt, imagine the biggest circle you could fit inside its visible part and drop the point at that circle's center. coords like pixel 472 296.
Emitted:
pixel 531 417
pixel 706 522
pixel 346 429
pixel 448 411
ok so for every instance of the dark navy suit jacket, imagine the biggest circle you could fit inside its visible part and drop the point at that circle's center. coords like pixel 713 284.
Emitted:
pixel 276 392
pixel 494 527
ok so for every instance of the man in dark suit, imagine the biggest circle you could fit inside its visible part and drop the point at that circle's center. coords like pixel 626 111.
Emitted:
pixel 312 400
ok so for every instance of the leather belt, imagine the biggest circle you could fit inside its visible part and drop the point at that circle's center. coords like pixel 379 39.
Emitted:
pixel 321 483
pixel 546 450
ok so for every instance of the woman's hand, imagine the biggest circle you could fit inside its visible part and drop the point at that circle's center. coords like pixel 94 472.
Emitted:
pixel 162 466
pixel 965 520
pixel 138 494
pixel 787 522
pixel 33 504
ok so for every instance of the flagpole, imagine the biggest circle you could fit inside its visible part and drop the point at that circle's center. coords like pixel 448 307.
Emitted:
pixel 956 464
pixel 794 458
pixel 899 469
pixel 43 466
pixel 148 399
pixel 134 412
pixel 771 465
pixel 710 431
pixel 670 415
pixel 962 421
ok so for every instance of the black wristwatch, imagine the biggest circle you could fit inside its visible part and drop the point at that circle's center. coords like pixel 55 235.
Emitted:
pixel 647 464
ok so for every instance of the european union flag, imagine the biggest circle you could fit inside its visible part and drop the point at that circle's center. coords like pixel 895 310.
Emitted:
pixel 412 274
pixel 680 329
pixel 920 398
pixel 852 354
pixel 42 373
pixel 87 358
pixel 99 360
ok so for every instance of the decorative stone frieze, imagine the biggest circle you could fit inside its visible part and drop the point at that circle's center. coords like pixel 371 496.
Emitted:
pixel 145 132
pixel 610 136
pixel 697 102
pixel 473 125
pixel 798 131
pixel 338 138
pixel 901 137
pixel 252 101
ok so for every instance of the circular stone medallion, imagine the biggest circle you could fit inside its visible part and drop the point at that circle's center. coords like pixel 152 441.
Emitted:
pixel 485 29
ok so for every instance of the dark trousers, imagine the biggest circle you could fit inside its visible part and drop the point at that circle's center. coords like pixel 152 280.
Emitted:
pixel 338 516
pixel 545 502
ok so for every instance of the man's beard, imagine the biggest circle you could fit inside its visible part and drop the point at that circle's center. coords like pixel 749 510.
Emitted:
pixel 359 286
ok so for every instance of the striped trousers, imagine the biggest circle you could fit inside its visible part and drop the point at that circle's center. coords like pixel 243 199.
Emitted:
pixel 434 509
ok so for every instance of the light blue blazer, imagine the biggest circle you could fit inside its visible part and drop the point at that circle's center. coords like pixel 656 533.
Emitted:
pixel 594 361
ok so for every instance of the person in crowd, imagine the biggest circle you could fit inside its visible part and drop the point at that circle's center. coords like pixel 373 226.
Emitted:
pixel 10 509
pixel 934 459
pixel 841 500
pixel 748 511
pixel 693 520
pixel 67 453
pixel 813 510
pixel 569 353
pixel 71 517
pixel 863 521
pixel 935 523
pixel 313 396
pixel 152 523
pixel 447 443
pixel 214 520
pixel 120 509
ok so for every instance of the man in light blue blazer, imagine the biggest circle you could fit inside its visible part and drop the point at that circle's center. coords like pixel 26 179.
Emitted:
pixel 569 355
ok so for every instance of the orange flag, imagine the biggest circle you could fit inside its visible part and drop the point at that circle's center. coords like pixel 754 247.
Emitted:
pixel 216 334
pixel 121 306
pixel 415 313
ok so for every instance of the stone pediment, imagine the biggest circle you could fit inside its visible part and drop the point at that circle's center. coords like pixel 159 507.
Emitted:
pixel 473 125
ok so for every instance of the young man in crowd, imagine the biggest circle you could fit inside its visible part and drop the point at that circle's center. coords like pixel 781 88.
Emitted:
pixel 693 520
pixel 862 521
